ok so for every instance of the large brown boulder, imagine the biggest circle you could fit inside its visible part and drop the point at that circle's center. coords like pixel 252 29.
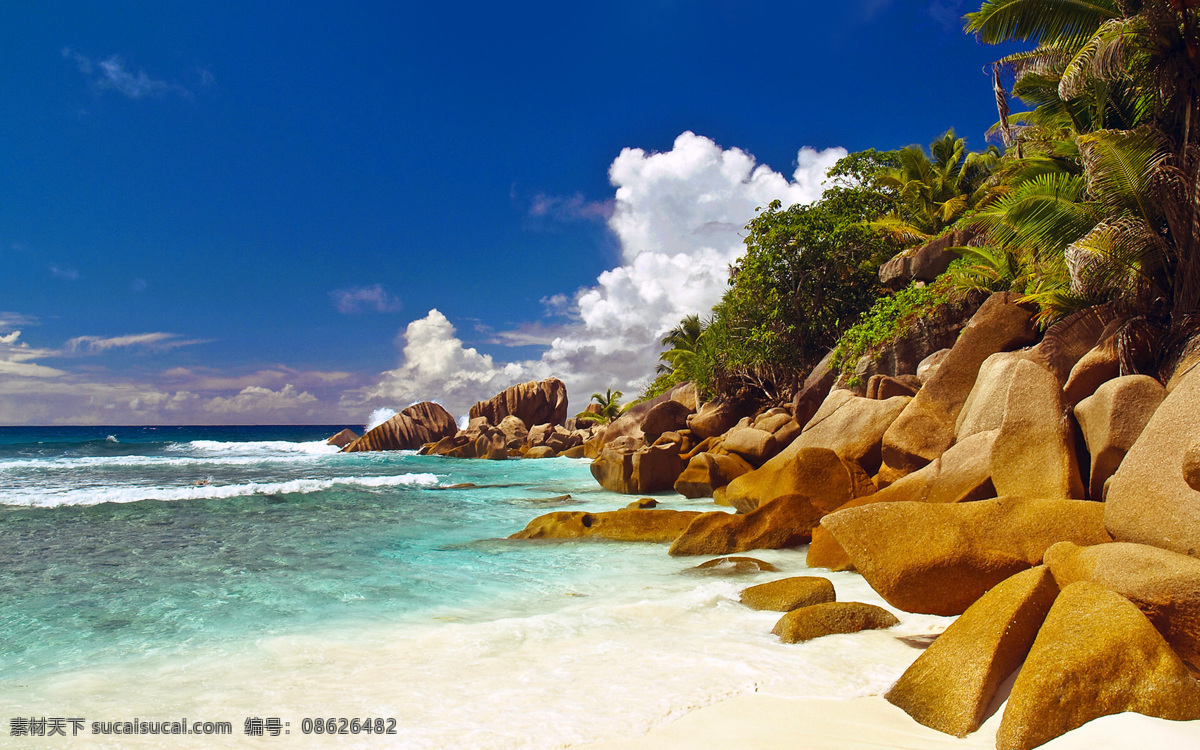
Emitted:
pixel 424 422
pixel 1095 655
pixel 951 684
pixel 784 522
pixel 343 438
pixel 1072 338
pixel 1165 585
pixel 1112 418
pixel 630 470
pixel 818 473
pixel 1034 454
pixel 787 594
pixel 850 426
pixel 715 418
pixel 514 430
pixel 926 428
pixel 753 445
pixel 939 558
pixel 1098 366
pixel 625 525
pixel 961 474
pixel 819 620
pixel 613 469
pixel 984 408
pixel 535 402
pixel 705 472
pixel 629 424
pixel 814 389
pixel 669 416
pixel 1149 500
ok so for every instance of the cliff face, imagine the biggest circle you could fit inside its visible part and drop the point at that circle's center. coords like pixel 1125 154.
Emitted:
pixel 536 402
pixel 421 423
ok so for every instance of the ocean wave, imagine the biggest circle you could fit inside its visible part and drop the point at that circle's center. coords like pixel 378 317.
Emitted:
pixel 264 447
pixel 101 462
pixel 54 499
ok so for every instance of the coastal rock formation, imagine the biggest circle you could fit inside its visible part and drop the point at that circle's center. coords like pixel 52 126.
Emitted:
pixel 343 438
pixel 752 445
pixel 925 262
pixel 786 521
pixel 951 684
pixel 1149 501
pixel 939 558
pixel 926 428
pixel 515 431
pixel 421 423
pixel 535 402
pixel 1112 418
pixel 629 424
pixel 1034 453
pixel 733 566
pixel 961 474
pixel 820 474
pixel 1164 585
pixel 705 472
pixel 643 470
pixel 1095 655
pixel 787 594
pixel 669 416
pixel 818 620
pixel 625 525
pixel 1100 365
pixel 715 418
pixel 1072 338
pixel 814 389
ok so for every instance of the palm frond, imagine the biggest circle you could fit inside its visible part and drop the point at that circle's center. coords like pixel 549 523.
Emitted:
pixel 1066 22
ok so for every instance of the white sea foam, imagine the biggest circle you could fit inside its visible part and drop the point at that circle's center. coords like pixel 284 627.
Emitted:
pixel 378 417
pixel 265 447
pixel 618 656
pixel 51 498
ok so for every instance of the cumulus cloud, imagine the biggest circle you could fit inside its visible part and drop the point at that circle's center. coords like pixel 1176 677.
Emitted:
pixel 357 299
pixel 679 217
pixel 570 208
pixel 110 74
pixel 258 401
pixel 436 366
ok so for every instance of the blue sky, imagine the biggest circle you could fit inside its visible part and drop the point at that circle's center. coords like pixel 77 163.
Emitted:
pixel 301 212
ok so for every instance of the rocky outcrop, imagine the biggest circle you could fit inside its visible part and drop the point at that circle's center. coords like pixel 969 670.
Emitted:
pixel 753 445
pixel 787 594
pixel 819 620
pixel 925 262
pixel 1034 454
pixel 1164 585
pixel 425 422
pixel 706 472
pixel 629 424
pixel 1112 418
pixel 940 558
pixel 1072 338
pixel 850 426
pixel 642 470
pixel 669 416
pixel 715 418
pixel 818 473
pixel 926 428
pixel 1149 500
pixel 733 566
pixel 784 522
pixel 626 525
pixel 814 389
pixel 535 402
pixel 1095 655
pixel 343 438
pixel 951 684
pixel 515 431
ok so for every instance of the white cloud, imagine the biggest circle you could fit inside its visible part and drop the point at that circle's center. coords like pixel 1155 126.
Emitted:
pixel 358 299
pixel 570 208
pixel 436 366
pixel 110 74
pixel 70 274
pixel 98 344
pixel 16 356
pixel 679 217
pixel 260 401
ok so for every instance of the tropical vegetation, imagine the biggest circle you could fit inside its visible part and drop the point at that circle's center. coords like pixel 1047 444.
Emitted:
pixel 1093 199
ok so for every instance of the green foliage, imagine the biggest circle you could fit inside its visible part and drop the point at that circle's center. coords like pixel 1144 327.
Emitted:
pixel 610 407
pixel 889 317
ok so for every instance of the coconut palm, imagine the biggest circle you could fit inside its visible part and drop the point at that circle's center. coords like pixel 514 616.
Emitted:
pixel 610 407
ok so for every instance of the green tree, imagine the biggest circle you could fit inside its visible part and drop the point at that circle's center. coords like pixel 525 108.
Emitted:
pixel 610 407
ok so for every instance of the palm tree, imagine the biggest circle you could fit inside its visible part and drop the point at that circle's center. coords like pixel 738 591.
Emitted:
pixel 681 342
pixel 610 407
pixel 932 194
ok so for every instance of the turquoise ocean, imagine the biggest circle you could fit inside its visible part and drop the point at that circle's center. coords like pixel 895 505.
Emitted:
pixel 226 573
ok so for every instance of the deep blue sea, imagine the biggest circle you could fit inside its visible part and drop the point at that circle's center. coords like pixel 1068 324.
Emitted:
pixel 221 573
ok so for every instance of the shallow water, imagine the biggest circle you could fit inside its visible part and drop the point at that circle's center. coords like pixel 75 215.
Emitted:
pixel 298 582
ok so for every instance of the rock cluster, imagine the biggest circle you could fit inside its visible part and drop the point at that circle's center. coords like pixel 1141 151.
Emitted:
pixel 1021 480
pixel 420 423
